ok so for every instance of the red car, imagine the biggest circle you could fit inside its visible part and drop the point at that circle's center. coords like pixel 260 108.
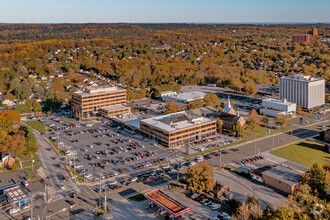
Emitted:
pixel 200 198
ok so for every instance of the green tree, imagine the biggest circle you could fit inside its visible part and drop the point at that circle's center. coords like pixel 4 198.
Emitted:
pixel 284 213
pixel 199 178
pixel 317 178
pixel 253 200
pixel 211 99
pixel 219 124
pixel 36 107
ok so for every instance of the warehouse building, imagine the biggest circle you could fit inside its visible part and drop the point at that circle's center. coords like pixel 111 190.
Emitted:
pixel 179 128
pixel 282 178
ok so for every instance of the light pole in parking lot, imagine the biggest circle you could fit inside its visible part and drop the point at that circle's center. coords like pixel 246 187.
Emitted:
pixel 255 144
pixel 220 158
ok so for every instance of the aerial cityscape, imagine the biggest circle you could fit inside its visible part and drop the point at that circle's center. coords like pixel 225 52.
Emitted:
pixel 154 110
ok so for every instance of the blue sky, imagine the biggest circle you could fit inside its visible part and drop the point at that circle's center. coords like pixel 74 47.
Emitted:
pixel 152 11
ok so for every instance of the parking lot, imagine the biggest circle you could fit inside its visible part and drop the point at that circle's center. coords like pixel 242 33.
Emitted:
pixel 105 150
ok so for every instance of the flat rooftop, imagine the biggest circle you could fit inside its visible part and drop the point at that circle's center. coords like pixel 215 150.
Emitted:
pixel 188 96
pixel 167 203
pixel 284 174
pixel 176 121
pixel 114 107
pixel 303 78
pixel 90 91
pixel 259 171
pixel 279 101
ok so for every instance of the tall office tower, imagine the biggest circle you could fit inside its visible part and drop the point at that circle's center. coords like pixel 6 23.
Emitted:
pixel 306 91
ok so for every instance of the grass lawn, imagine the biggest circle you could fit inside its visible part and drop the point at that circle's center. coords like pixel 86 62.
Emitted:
pixel 26 159
pixel 305 152
pixel 37 125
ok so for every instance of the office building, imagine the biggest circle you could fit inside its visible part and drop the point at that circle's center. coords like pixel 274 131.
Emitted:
pixel 306 91
pixel 178 128
pixel 87 103
pixel 301 39
pixel 315 32
pixel 273 107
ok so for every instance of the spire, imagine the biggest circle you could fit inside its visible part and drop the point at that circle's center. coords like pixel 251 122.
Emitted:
pixel 228 103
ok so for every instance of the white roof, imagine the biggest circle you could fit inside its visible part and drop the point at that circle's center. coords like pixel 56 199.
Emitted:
pixel 300 77
pixel 282 102
pixel 188 96
pixel 164 122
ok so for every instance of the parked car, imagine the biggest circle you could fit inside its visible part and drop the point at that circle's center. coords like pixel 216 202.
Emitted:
pixel 195 195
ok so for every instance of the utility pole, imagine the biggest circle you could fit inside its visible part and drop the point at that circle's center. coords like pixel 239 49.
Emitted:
pixel 273 139
pixel 32 206
pixel 32 160
pixel 255 144
pixel 105 201
pixel 100 191
pixel 220 158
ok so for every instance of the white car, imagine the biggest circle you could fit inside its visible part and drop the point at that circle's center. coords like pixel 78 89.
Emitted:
pixel 200 149
pixel 113 182
pixel 134 179
pixel 62 186
pixel 199 159
pixel 195 195
pixel 13 211
pixel 26 206
pixel 78 166
pixel 215 206
pixel 87 175
pixel 224 215
pixel 90 146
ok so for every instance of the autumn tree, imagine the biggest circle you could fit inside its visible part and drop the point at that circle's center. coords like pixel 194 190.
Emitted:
pixel 281 120
pixel 265 119
pixel 250 87
pixel 131 95
pixel 199 178
pixel 10 121
pixel 211 99
pixel 248 211
pixel 171 107
pixel 318 178
pixel 253 118
pixel 298 110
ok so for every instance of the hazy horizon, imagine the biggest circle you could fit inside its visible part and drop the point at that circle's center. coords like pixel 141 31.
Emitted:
pixel 170 11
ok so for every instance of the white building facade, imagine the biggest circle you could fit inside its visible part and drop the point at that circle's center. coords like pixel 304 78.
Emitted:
pixel 306 91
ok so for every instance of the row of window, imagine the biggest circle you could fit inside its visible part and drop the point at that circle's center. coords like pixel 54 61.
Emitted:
pixel 101 99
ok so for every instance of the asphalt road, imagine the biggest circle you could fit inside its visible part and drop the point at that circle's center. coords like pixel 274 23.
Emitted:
pixel 268 143
pixel 49 159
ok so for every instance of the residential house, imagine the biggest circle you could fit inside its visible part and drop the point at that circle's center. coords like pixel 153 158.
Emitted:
pixel 6 159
